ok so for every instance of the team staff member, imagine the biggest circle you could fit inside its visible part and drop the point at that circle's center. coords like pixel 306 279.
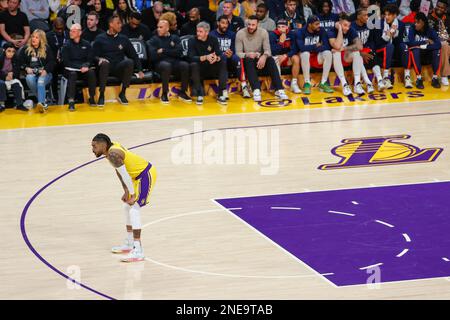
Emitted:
pixel 166 54
pixel 115 56
pixel 77 58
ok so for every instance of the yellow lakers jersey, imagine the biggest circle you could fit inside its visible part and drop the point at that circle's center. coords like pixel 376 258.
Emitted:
pixel 133 163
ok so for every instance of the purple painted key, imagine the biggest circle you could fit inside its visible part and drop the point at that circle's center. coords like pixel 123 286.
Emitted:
pixel 403 230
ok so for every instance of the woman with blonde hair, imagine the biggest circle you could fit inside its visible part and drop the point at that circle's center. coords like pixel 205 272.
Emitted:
pixel 38 61
pixel 172 19
pixel 249 7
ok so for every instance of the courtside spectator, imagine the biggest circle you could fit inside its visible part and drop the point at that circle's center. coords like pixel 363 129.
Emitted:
pixel 292 15
pixel 284 51
pixel 265 22
pixel 78 60
pixel 151 16
pixel 14 26
pixel 237 10
pixel 165 53
pixel 103 14
pixel 10 77
pixel 37 12
pixel 315 51
pixel 134 29
pixel 439 20
pixel 115 55
pixel 92 30
pixel 236 23
pixel 327 18
pixel 253 45
pixel 173 22
pixel 249 7
pixel 206 61
pixel 38 61
pixel 123 11
pixel 190 27
pixel 227 39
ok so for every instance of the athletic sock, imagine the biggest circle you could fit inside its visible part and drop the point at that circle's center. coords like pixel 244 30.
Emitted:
pixel 130 238
pixel 407 73
pixel 386 73
pixel 137 245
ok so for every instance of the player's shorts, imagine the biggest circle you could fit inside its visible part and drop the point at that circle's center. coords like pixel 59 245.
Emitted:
pixel 143 184
pixel 314 60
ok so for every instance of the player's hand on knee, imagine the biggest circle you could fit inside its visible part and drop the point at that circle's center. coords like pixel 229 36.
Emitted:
pixel 125 196
pixel 131 199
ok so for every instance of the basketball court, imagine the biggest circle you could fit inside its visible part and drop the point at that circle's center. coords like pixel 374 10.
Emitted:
pixel 322 198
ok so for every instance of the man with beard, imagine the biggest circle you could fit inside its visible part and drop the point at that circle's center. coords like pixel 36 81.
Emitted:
pixel 190 27
pixel 236 23
pixel 439 20
pixel 115 55
pixel 315 51
pixel 253 46
pixel 138 177
pixel 226 39
pixel 370 58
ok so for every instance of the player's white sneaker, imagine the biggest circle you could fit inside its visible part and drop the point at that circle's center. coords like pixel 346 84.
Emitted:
pixel 125 248
pixel 444 81
pixel 346 90
pixel 388 83
pixel 358 89
pixel 408 82
pixel 134 256
pixel 381 85
pixel 370 88
pixel 257 95
pixel 280 94
pixel 295 88
pixel 246 92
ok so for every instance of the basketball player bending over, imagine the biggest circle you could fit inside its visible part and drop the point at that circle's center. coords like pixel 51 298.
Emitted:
pixel 138 177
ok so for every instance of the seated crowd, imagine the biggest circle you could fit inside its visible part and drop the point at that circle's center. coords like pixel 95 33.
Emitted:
pixel 193 40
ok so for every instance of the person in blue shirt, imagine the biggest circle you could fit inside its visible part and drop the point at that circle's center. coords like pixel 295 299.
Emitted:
pixel 345 45
pixel 388 39
pixel 313 44
pixel 423 41
pixel 226 39
pixel 326 17
pixel 370 58
pixel 284 50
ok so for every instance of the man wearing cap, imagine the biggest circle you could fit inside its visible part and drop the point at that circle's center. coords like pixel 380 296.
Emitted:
pixel 284 51
pixel 313 44
pixel 253 45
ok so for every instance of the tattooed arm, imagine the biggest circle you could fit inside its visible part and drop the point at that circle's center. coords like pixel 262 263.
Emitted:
pixel 355 46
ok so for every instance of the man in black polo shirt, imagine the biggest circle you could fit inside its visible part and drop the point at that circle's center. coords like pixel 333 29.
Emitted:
pixel 165 52
pixel 14 26
pixel 115 55
pixel 207 60
pixel 135 29
pixel 190 27
pixel 92 30
pixel 236 23
pixel 78 58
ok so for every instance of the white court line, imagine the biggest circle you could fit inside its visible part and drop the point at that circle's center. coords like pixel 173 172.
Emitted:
pixel 277 245
pixel 354 202
pixel 221 209
pixel 234 208
pixel 343 213
pixel 372 266
pixel 284 208
pixel 385 223
pixel 407 238
pixel 229 275
pixel 402 253
pixel 445 259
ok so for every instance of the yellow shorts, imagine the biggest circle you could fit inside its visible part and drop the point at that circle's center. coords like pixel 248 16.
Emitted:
pixel 143 185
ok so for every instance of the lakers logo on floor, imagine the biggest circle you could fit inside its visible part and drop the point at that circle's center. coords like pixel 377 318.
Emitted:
pixel 376 151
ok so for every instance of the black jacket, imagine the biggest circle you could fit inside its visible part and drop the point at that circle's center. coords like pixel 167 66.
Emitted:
pixel 171 45
pixel 114 49
pixel 77 55
pixel 48 63
pixel 199 48
pixel 15 65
